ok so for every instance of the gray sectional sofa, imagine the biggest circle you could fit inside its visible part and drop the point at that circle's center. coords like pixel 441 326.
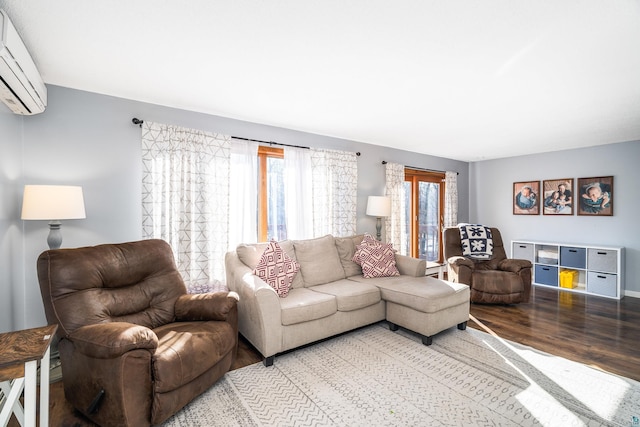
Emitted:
pixel 329 295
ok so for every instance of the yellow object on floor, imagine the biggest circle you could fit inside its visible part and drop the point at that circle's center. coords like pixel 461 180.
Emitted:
pixel 568 279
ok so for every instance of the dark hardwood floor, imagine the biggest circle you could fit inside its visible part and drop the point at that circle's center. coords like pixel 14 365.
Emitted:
pixel 599 332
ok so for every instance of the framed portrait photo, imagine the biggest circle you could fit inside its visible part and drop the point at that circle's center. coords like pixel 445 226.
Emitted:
pixel 595 196
pixel 526 198
pixel 557 196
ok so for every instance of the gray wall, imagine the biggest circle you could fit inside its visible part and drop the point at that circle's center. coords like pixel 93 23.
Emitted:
pixel 492 188
pixel 88 139
pixel 11 263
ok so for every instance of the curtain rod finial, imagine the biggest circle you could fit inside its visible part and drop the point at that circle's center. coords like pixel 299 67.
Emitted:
pixel 137 121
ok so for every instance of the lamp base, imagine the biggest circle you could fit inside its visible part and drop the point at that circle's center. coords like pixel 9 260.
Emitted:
pixel 54 240
pixel 378 228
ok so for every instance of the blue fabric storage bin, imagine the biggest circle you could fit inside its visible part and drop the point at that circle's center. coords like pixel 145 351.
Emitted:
pixel 573 257
pixel 546 275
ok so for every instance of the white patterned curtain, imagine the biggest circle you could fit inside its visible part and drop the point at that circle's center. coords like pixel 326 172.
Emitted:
pixel 297 193
pixel 334 192
pixel 450 199
pixel 243 195
pixel 185 198
pixel 396 223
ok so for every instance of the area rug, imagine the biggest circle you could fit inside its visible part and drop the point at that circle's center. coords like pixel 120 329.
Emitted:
pixel 376 377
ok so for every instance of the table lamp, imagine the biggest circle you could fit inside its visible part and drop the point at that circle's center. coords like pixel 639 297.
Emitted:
pixel 53 203
pixel 379 206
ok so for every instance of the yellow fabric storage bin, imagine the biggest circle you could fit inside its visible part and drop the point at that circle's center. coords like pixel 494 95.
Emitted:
pixel 568 279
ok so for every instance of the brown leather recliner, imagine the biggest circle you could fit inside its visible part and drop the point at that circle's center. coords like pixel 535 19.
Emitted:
pixel 499 280
pixel 135 347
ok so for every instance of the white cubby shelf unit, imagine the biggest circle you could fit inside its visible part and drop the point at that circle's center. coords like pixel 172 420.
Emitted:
pixel 587 269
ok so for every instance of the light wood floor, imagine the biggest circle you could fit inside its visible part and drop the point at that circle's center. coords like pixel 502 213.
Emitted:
pixel 599 332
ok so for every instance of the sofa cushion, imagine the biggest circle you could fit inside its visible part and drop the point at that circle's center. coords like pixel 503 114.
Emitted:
pixel 250 254
pixel 276 268
pixel 497 282
pixel 319 260
pixel 303 305
pixel 377 260
pixel 186 350
pixel 350 295
pixel 425 294
pixel 346 250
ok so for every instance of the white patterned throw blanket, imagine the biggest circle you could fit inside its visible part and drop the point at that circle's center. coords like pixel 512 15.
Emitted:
pixel 477 241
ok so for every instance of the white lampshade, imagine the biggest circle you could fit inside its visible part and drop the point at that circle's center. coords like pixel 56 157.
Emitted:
pixel 379 206
pixel 52 202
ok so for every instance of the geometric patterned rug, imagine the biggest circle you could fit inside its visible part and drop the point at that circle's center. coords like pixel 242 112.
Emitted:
pixel 376 377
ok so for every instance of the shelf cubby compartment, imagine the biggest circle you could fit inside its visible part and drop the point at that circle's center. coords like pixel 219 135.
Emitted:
pixel 573 257
pixel 570 278
pixel 605 260
pixel 546 254
pixel 524 251
pixel 602 284
pixel 546 274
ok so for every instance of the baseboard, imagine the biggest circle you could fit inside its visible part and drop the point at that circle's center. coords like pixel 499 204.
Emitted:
pixel 633 294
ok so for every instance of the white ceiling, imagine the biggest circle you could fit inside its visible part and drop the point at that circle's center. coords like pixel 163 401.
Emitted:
pixel 463 79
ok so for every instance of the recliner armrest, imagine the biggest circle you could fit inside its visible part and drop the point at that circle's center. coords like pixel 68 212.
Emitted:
pixel 458 261
pixel 513 265
pixel 207 306
pixel 112 339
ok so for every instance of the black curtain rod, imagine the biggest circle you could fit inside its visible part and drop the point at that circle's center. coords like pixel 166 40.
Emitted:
pixel 270 142
pixel 384 162
pixel 137 121
pixel 276 143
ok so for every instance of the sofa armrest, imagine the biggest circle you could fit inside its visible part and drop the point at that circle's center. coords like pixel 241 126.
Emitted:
pixel 514 265
pixel 207 306
pixel 410 266
pixel 112 339
pixel 259 313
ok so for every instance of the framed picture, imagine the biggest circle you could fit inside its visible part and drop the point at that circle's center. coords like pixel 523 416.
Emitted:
pixel 595 196
pixel 558 197
pixel 525 198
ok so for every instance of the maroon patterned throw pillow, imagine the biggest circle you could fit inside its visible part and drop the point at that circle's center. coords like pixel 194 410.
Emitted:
pixel 378 261
pixel 277 268
pixel 367 240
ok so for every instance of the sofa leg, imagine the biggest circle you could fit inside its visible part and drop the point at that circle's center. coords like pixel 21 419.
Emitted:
pixel 427 340
pixel 462 326
pixel 268 361
pixel 392 326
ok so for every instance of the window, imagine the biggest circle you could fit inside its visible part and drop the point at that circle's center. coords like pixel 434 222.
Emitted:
pixel 271 220
pixel 424 195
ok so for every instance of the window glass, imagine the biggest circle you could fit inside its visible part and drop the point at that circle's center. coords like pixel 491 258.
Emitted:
pixel 276 225
pixel 424 196
pixel 271 210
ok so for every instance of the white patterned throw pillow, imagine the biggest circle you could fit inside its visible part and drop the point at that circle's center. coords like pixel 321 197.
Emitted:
pixel 276 268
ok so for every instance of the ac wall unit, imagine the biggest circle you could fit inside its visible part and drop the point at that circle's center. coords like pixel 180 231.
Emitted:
pixel 21 86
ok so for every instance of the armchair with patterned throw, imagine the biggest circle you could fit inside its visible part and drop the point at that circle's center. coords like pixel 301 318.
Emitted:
pixel 476 257
pixel 135 347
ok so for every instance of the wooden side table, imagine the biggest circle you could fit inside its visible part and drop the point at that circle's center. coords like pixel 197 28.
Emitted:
pixel 435 268
pixel 20 352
